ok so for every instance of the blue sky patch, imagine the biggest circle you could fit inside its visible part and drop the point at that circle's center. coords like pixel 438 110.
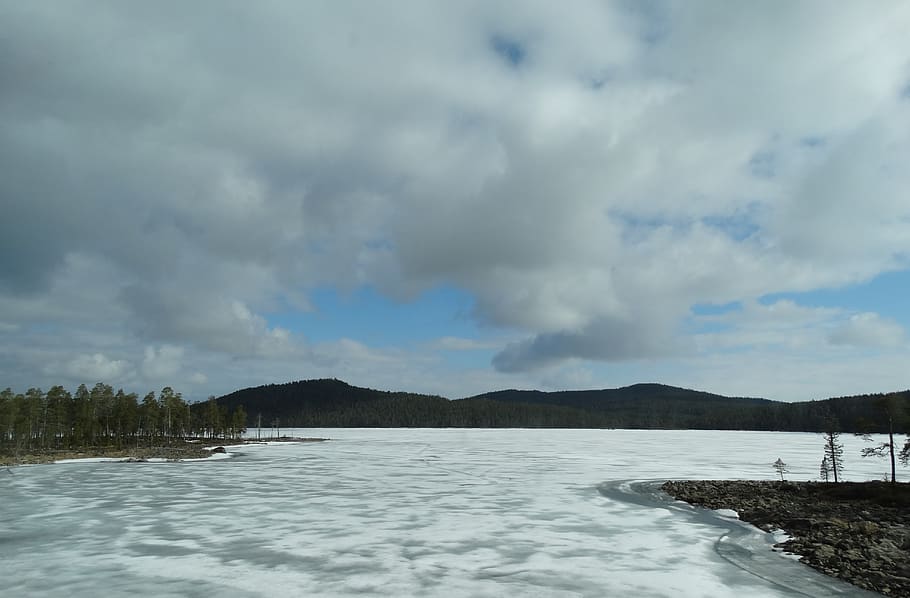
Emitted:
pixel 739 226
pixel 371 318
pixel 510 50
pixel 885 295
pixel 711 309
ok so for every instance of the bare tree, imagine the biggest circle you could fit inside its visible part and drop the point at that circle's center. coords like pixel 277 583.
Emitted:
pixel 824 472
pixel 781 468
pixel 881 450
pixel 891 407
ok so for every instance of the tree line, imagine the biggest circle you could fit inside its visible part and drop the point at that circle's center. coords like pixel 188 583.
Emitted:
pixel 101 417
pixel 333 403
pixel 891 413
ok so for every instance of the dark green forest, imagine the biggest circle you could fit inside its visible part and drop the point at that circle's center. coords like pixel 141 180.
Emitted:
pixel 101 417
pixel 333 403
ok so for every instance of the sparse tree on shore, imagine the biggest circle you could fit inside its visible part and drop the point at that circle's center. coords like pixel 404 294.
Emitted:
pixel 834 453
pixel 238 422
pixel 101 418
pixel 905 452
pixel 882 450
pixel 892 408
pixel 781 468
pixel 824 472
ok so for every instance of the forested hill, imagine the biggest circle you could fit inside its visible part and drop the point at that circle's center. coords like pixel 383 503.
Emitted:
pixel 333 403
pixel 650 406
pixel 588 399
pixel 311 402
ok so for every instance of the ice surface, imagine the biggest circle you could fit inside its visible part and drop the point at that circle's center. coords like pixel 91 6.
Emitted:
pixel 411 513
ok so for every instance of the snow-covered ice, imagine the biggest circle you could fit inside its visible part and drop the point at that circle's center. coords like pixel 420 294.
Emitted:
pixel 408 512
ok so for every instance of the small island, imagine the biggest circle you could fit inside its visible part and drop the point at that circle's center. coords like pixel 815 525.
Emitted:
pixel 855 531
pixel 98 422
pixel 179 450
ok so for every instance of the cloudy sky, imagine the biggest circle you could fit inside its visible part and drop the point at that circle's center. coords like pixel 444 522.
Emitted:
pixel 455 197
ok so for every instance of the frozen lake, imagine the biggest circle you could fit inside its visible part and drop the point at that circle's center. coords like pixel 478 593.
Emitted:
pixel 410 513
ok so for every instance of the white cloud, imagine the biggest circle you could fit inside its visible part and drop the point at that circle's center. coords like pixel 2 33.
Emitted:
pixel 172 187
pixel 790 375
pixel 162 362
pixel 96 367
pixel 783 323
pixel 868 330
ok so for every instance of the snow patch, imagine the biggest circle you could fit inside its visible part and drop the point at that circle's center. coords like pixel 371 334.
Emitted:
pixel 727 513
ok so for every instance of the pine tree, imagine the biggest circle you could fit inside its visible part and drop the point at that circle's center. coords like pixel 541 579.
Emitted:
pixel 834 453
pixel 59 405
pixel 7 418
pixel 81 417
pixel 238 422
pixel 824 472
pixel 150 414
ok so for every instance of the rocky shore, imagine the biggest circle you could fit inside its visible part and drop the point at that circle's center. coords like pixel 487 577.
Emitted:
pixel 177 452
pixel 858 532
pixel 172 453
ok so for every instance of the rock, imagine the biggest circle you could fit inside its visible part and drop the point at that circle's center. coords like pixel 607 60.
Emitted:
pixel 823 551
pixel 801 524
pixel 219 449
pixel 865 527
pixel 858 532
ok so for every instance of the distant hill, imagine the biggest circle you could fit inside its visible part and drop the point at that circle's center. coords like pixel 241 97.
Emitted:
pixel 649 406
pixel 309 400
pixel 333 403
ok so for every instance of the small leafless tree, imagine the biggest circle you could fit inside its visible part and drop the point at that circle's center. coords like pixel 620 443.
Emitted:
pixel 781 468
pixel 824 472
pixel 892 409
pixel 884 449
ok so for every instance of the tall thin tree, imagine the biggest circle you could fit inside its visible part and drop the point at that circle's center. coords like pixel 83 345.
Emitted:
pixel 834 453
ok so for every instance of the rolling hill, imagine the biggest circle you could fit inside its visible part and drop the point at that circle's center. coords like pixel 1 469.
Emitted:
pixel 333 403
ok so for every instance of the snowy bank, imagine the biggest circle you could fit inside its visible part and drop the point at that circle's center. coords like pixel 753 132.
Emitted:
pixel 856 531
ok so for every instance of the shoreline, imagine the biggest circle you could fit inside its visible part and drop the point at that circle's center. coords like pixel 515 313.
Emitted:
pixel 188 450
pixel 858 532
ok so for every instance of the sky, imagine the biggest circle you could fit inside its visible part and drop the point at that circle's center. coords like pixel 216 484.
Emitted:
pixel 456 197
